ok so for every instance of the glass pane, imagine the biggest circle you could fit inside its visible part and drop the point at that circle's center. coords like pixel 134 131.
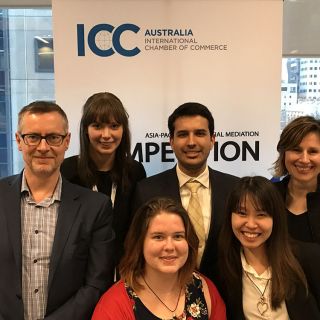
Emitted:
pixel 4 170
pixel 3 155
pixel 300 88
pixel 26 72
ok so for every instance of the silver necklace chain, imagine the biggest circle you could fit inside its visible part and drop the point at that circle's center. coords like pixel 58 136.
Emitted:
pixel 262 304
pixel 172 311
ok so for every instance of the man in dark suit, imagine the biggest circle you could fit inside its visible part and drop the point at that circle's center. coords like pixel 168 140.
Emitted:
pixel 191 129
pixel 56 238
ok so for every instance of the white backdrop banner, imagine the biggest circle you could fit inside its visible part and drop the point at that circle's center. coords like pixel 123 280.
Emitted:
pixel 155 55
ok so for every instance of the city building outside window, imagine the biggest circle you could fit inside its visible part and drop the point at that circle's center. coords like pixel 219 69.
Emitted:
pixel 26 73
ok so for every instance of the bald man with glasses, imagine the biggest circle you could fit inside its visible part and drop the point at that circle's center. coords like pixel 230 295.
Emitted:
pixel 56 240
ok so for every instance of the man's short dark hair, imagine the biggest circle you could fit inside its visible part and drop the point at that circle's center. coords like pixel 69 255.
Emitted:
pixel 190 109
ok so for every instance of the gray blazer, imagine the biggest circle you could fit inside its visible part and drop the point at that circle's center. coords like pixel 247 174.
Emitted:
pixel 81 264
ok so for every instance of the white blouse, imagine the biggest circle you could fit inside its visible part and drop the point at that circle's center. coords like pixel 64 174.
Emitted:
pixel 252 309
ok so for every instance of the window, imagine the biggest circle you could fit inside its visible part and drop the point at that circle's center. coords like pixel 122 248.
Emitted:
pixel 304 95
pixel 26 73
pixel 43 47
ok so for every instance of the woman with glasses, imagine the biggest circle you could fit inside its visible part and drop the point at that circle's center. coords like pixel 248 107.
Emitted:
pixel 105 163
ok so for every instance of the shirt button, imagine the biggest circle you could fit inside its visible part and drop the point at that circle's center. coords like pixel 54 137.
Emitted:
pixel 36 290
pixel 35 261
pixel 36 231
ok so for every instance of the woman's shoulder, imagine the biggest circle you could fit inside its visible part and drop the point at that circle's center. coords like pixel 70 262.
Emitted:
pixel 70 163
pixel 282 182
pixel 69 166
pixel 69 169
pixel 306 252
pixel 118 290
pixel 198 278
pixel 206 283
pixel 136 170
pixel 212 296
pixel 113 303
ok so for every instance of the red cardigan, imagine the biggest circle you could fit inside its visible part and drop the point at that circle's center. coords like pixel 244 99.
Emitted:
pixel 115 304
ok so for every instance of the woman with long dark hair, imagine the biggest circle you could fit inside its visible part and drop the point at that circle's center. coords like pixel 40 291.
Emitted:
pixel 105 163
pixel 264 275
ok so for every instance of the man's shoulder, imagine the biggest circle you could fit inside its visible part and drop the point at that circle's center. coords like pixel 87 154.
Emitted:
pixel 82 193
pixel 7 181
pixel 215 174
pixel 162 184
pixel 159 177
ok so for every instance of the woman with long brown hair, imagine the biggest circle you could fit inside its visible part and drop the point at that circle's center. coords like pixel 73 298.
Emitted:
pixel 263 275
pixel 105 163
pixel 157 271
pixel 299 164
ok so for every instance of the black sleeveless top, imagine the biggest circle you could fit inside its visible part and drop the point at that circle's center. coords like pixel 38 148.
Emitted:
pixel 299 226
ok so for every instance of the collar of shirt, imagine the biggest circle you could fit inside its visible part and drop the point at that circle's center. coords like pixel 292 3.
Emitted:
pixel 266 275
pixel 203 177
pixel 56 196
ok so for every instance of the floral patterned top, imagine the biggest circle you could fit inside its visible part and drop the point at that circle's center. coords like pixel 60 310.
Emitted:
pixel 195 303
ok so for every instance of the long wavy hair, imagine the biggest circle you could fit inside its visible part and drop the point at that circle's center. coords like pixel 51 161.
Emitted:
pixel 286 270
pixel 103 107
pixel 291 137
pixel 132 264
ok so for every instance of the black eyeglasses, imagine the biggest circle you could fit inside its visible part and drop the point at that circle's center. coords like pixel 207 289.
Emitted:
pixel 32 139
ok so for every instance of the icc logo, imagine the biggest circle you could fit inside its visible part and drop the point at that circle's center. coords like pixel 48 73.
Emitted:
pixel 104 40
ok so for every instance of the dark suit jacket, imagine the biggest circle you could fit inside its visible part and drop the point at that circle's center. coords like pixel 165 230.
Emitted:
pixel 299 306
pixel 122 203
pixel 166 184
pixel 81 264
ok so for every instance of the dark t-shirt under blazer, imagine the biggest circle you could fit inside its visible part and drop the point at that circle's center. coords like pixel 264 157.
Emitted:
pixel 122 210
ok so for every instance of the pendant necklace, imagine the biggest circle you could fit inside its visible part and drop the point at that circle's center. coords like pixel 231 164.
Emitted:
pixel 172 311
pixel 262 304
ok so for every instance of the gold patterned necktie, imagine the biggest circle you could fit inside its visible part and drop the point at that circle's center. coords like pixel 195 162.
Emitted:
pixel 196 217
